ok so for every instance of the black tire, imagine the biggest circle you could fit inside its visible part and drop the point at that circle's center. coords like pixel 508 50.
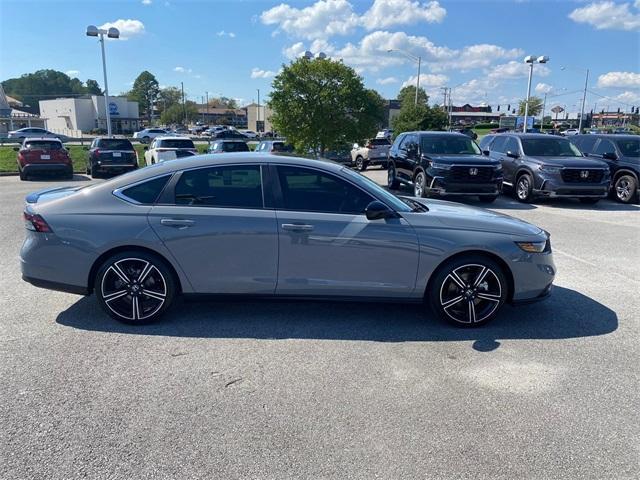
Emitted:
pixel 420 185
pixel 392 181
pixel 524 188
pixel 589 200
pixel 155 293
pixel 625 188
pixel 361 164
pixel 23 175
pixel 464 281
pixel 487 198
pixel 87 170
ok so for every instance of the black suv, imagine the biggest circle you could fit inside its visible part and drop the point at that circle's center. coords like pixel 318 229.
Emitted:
pixel 110 156
pixel 443 163
pixel 538 165
pixel 622 154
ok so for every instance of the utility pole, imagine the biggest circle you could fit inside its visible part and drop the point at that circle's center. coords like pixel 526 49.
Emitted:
pixel 258 113
pixel 544 104
pixel 584 97
pixel 207 95
pixel 418 81
pixel 202 98
pixel 184 109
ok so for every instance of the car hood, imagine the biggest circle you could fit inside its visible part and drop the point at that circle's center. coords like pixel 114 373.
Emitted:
pixel 572 162
pixel 463 159
pixel 463 217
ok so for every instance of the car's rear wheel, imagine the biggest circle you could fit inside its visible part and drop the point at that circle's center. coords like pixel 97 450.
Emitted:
pixel 361 164
pixel 23 175
pixel 420 185
pixel 135 287
pixel 625 188
pixel 392 181
pixel 524 188
pixel 468 291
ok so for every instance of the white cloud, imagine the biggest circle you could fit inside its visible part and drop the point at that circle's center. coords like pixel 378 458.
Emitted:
pixel 515 69
pixel 428 80
pixel 387 13
pixel 629 97
pixel 72 73
pixel 608 15
pixel 543 88
pixel 387 80
pixel 619 79
pixel 147 2
pixel 259 73
pixel 182 70
pixel 222 33
pixel 128 28
pixel 327 18
pixel 478 56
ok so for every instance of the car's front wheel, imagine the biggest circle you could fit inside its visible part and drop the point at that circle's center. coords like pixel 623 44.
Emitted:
pixel 135 287
pixel 361 164
pixel 392 181
pixel 468 291
pixel 420 185
pixel 524 188
pixel 625 188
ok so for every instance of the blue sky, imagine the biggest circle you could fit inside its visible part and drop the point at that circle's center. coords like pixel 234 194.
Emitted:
pixel 233 48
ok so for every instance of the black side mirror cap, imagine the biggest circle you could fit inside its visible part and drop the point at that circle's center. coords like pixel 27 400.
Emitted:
pixel 610 156
pixel 377 210
pixel 512 154
pixel 485 152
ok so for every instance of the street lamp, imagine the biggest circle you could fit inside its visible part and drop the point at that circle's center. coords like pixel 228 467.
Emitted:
pixel 531 59
pixel 93 31
pixel 415 59
pixel 584 95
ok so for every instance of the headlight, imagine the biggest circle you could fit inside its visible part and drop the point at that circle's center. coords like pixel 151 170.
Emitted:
pixel 533 247
pixel 498 167
pixel 441 166
pixel 550 169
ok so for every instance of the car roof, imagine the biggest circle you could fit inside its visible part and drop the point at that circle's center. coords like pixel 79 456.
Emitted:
pixel 528 135
pixel 610 136
pixel 230 140
pixel 172 137
pixel 436 132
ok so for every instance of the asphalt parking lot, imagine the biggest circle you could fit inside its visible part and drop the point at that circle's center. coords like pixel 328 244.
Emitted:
pixel 330 390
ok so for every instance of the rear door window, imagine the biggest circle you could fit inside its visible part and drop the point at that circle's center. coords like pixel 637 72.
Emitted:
pixel 511 145
pixel 605 146
pixel 238 186
pixel 147 192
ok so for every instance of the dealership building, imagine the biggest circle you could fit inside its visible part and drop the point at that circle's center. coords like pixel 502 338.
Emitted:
pixel 87 113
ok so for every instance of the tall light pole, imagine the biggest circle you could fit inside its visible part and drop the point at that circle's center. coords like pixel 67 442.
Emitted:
pixel 415 59
pixel 584 94
pixel 93 31
pixel 258 113
pixel 531 59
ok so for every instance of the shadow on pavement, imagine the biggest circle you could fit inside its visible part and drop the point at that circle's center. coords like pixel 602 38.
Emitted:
pixel 51 178
pixel 566 314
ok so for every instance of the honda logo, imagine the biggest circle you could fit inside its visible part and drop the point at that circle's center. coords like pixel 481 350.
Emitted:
pixel 584 173
pixel 473 172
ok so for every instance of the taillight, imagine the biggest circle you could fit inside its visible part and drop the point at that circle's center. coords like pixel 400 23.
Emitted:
pixel 369 145
pixel 36 223
pixel 97 151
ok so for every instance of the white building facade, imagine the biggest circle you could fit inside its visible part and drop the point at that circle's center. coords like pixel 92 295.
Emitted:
pixel 87 114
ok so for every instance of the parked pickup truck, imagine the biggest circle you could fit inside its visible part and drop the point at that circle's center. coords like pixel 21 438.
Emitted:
pixel 374 152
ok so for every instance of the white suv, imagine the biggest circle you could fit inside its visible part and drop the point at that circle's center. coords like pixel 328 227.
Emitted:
pixel 374 152
pixel 168 148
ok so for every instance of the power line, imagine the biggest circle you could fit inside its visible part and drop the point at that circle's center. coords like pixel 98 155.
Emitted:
pixel 610 98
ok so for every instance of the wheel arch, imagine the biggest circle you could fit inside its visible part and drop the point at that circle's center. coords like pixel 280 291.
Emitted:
pixel 623 171
pixel 484 253
pixel 129 248
pixel 417 170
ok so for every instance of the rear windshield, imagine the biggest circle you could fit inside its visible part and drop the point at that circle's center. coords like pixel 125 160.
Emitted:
pixel 115 144
pixel 629 148
pixel 235 147
pixel 448 145
pixel 177 143
pixel 282 147
pixel 549 147
pixel 42 145
pixel 379 141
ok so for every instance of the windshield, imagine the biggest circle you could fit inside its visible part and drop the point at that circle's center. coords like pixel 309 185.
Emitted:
pixel 549 147
pixel 629 148
pixel 176 143
pixel 115 144
pixel 42 145
pixel 235 147
pixel 448 145
pixel 393 201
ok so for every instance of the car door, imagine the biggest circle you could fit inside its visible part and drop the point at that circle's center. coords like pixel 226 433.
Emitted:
pixel 404 168
pixel 328 247
pixel 497 152
pixel 510 164
pixel 214 222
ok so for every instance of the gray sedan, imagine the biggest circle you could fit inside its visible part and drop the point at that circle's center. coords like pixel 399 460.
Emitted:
pixel 264 226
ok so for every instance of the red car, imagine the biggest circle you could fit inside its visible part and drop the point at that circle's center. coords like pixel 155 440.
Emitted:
pixel 43 155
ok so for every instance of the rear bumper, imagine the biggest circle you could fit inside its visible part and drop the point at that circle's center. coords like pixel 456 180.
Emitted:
pixel 113 167
pixel 47 168
pixel 60 287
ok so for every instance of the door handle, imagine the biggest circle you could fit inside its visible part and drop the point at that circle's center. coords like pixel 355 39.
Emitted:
pixel 297 227
pixel 177 222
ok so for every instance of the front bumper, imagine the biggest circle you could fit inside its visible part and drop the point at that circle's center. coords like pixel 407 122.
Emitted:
pixel 440 186
pixel 552 185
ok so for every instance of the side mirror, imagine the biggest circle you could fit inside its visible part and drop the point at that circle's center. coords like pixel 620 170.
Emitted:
pixel 485 152
pixel 610 156
pixel 512 154
pixel 377 210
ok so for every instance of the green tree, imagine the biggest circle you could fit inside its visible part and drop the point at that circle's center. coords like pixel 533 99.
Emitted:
pixel 92 87
pixel 320 103
pixel 145 91
pixel 223 102
pixel 407 96
pixel 167 97
pixel 535 106
pixel 176 114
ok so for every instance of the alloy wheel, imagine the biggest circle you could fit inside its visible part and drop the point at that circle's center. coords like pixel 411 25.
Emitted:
pixel 133 289
pixel 470 293
pixel 391 175
pixel 418 185
pixel 623 189
pixel 523 187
